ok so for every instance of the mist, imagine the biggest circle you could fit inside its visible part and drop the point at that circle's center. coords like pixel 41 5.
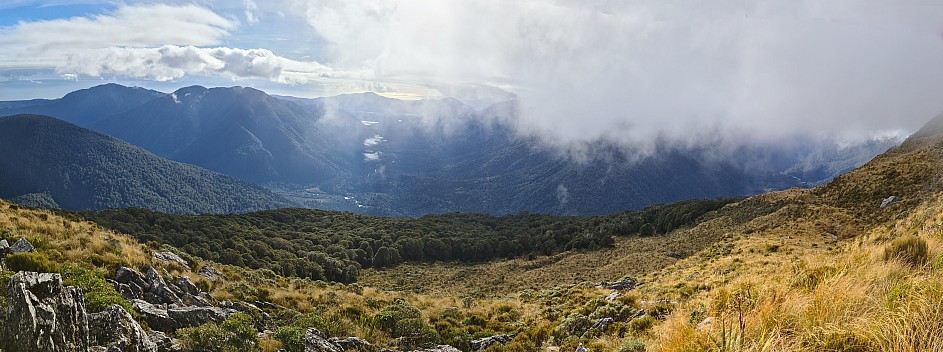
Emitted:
pixel 651 73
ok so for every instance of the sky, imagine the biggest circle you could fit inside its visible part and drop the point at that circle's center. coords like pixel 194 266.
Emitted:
pixel 640 72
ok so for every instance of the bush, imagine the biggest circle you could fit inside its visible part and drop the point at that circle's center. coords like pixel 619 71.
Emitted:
pixel 908 249
pixel 403 320
pixel 574 325
pixel 292 336
pixel 31 261
pixel 233 335
pixel 99 294
pixel 632 346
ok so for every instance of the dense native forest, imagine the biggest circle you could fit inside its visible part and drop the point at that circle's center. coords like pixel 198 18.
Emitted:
pixel 334 246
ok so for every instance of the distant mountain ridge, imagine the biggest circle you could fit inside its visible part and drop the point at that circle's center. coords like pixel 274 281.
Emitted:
pixel 382 156
pixel 49 162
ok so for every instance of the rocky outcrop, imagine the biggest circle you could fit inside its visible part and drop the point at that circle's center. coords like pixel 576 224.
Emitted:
pixel 354 344
pixel 889 200
pixel 163 342
pixel 624 284
pixel 164 319
pixel 4 248
pixel 159 292
pixel 22 245
pixel 210 273
pixel 43 315
pixel 315 342
pixel 439 348
pixel 115 329
pixel 171 258
pixel 486 342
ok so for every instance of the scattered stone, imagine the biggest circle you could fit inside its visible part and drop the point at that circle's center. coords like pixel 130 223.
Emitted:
pixel 675 255
pixel 613 295
pixel 171 258
pixel 626 284
pixel 42 315
pixel 116 330
pixel 890 200
pixel 601 324
pixel 486 342
pixel 315 342
pixel 581 348
pixel 210 273
pixel 22 245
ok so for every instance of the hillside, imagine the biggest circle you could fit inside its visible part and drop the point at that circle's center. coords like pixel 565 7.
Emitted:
pixel 380 156
pixel 826 269
pixel 53 163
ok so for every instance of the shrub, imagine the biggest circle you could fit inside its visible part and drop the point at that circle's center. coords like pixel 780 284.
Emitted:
pixel 632 346
pixel 390 318
pixel 574 325
pixel 233 335
pixel 642 324
pixel 32 261
pixel 292 335
pixel 908 249
pixel 99 294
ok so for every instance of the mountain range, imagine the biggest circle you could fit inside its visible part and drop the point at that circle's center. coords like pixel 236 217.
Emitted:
pixel 382 156
pixel 51 163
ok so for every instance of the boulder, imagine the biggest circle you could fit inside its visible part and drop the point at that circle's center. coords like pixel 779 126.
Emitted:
pixel 130 283
pixel 675 255
pixel 156 317
pixel 158 290
pixel 889 200
pixel 612 296
pixel 186 285
pixel 210 273
pixel 22 245
pixel 4 248
pixel 628 283
pixel 169 320
pixel 116 330
pixel 315 342
pixel 43 315
pixel 581 348
pixel 171 258
pixel 486 342
pixel 163 342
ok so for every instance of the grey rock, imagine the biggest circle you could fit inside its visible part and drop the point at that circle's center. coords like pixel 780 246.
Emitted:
pixel 115 329
pixel 486 342
pixel 4 248
pixel 195 316
pixel 353 344
pixel 42 315
pixel 22 245
pixel 439 348
pixel 581 348
pixel 601 324
pixel 169 320
pixel 675 255
pixel 889 200
pixel 315 342
pixel 158 290
pixel 625 284
pixel 186 285
pixel 163 342
pixel 612 296
pixel 171 258
pixel 126 275
pixel 210 273
pixel 156 317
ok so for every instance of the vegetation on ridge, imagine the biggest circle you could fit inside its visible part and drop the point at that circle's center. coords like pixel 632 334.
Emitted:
pixel 334 245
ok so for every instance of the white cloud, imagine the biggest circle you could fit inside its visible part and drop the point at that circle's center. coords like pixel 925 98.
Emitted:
pixel 651 71
pixel 251 8
pixel 156 42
